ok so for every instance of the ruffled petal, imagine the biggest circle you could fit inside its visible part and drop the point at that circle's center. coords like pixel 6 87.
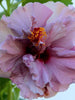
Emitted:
pixel 56 8
pixel 37 69
pixel 62 52
pixel 40 13
pixel 62 33
pixel 11 51
pixel 68 41
pixel 60 10
pixel 8 61
pixel 61 28
pixel 13 46
pixel 61 72
pixel 39 74
pixel 27 17
pixel 67 11
pixel 4 31
pixel 55 31
pixel 22 78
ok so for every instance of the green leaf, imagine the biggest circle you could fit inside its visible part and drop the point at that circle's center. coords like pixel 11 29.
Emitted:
pixel 66 2
pixel 41 1
pixel 8 3
pixel 3 88
pixel 15 93
pixel 3 82
pixel 1 1
pixel 8 6
pixel 8 91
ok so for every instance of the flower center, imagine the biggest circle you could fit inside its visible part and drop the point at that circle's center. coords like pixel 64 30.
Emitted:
pixel 38 35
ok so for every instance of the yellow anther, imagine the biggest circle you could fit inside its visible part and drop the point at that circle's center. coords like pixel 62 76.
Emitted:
pixel 38 35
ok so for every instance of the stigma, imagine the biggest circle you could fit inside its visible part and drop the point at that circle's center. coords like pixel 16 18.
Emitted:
pixel 37 36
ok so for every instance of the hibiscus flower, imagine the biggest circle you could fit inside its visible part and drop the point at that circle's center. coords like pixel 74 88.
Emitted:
pixel 37 48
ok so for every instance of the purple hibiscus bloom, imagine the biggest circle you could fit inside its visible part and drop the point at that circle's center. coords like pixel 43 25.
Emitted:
pixel 37 48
